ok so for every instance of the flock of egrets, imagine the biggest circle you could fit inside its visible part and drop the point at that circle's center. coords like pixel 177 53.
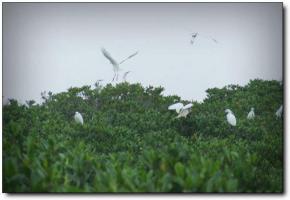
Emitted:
pixel 116 64
pixel 183 111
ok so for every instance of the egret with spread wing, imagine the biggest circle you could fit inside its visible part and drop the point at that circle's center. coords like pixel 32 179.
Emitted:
pixel 182 111
pixel 194 36
pixel 116 65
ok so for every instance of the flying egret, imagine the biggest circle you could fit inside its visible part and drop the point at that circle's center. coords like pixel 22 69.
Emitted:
pixel 78 118
pixel 125 75
pixel 251 114
pixel 194 36
pixel 182 111
pixel 116 65
pixel 176 106
pixel 279 112
pixel 231 117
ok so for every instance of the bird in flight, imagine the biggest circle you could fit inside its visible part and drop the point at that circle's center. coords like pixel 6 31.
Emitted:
pixel 116 65
pixel 194 36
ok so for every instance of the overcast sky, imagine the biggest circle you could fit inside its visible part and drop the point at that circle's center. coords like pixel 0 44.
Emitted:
pixel 54 46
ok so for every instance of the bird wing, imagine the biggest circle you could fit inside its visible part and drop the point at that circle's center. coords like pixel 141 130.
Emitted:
pixel 279 112
pixel 214 40
pixel 176 106
pixel 193 37
pixel 250 115
pixel 232 119
pixel 125 74
pixel 187 106
pixel 109 57
pixel 131 56
pixel 209 37
pixel 80 117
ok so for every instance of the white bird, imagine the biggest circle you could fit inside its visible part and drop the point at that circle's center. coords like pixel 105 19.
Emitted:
pixel 279 112
pixel 231 117
pixel 251 114
pixel 115 64
pixel 82 95
pixel 131 56
pixel 176 106
pixel 78 118
pixel 125 75
pixel 182 111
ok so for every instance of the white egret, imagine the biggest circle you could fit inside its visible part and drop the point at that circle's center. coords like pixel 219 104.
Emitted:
pixel 182 111
pixel 116 65
pixel 251 114
pixel 279 112
pixel 78 118
pixel 176 106
pixel 231 117
pixel 82 95
pixel 125 75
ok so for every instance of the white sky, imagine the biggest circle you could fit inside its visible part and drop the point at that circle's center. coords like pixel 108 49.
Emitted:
pixel 53 46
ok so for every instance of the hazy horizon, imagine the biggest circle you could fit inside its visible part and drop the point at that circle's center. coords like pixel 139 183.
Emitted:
pixel 54 46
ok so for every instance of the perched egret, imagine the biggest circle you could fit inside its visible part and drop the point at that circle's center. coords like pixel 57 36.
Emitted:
pixel 231 117
pixel 115 64
pixel 82 95
pixel 279 112
pixel 182 111
pixel 251 114
pixel 78 118
pixel 125 75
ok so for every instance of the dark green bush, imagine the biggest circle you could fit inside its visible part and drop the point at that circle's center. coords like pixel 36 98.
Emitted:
pixel 131 142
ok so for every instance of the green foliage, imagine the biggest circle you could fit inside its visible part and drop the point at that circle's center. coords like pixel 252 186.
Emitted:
pixel 131 142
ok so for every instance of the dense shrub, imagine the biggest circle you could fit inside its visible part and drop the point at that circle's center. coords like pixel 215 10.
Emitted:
pixel 131 142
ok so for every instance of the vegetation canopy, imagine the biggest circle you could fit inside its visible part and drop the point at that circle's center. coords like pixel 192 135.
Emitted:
pixel 131 142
